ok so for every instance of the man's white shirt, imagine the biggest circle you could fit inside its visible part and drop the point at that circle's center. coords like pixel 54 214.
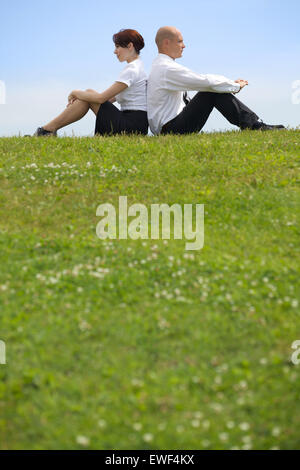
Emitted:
pixel 167 81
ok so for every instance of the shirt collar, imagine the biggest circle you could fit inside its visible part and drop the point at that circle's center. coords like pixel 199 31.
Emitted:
pixel 165 56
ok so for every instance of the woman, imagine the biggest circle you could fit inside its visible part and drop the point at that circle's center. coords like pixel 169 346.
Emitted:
pixel 129 91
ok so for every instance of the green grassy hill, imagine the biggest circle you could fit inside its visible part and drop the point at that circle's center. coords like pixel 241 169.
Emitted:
pixel 140 344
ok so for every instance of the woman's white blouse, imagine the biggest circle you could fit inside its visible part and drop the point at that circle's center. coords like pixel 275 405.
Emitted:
pixel 135 96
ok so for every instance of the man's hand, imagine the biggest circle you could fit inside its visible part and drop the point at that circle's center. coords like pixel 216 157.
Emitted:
pixel 242 83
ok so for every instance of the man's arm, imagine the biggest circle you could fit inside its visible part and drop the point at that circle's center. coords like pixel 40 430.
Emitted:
pixel 181 78
pixel 242 83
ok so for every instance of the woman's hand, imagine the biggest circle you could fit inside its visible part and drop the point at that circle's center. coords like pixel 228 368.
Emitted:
pixel 72 97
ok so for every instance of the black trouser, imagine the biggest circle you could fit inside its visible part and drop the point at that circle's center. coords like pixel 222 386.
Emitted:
pixel 195 114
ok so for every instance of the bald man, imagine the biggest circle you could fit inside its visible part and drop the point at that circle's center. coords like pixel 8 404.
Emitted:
pixel 168 108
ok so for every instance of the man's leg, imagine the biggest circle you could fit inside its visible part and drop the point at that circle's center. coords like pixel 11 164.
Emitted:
pixel 234 110
pixel 193 117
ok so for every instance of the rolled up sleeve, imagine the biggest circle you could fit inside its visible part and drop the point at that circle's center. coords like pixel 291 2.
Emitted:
pixel 179 78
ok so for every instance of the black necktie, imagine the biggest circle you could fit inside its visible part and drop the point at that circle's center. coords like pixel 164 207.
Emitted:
pixel 186 99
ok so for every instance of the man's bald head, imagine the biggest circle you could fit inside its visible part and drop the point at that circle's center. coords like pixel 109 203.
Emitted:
pixel 169 41
pixel 165 32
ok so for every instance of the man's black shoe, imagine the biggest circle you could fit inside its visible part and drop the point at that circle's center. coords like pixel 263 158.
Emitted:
pixel 262 126
pixel 41 132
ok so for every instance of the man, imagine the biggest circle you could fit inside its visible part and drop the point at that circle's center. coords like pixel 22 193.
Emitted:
pixel 167 81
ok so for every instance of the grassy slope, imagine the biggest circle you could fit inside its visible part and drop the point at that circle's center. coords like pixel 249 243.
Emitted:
pixel 168 349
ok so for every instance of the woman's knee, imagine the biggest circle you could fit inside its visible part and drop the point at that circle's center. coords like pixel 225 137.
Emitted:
pixel 81 102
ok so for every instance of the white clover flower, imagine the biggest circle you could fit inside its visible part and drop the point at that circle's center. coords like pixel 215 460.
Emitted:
pixel 137 383
pixel 195 423
pixel 216 407
pixel 263 361
pixel 161 426
pixel 230 424
pixel 244 426
pixel 84 326
pixel 148 437
pixel 241 401
pixel 137 426
pixel 102 423
pixel 247 447
pixel 83 441
pixel 205 443
pixel 223 436
pixel 276 431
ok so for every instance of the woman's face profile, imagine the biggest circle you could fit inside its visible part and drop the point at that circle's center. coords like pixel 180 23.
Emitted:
pixel 124 53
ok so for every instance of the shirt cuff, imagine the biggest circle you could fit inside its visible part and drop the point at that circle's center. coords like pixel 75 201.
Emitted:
pixel 127 82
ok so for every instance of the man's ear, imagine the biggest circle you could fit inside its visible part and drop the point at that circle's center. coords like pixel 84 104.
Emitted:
pixel 130 45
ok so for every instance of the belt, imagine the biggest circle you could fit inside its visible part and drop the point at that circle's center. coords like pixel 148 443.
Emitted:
pixel 133 110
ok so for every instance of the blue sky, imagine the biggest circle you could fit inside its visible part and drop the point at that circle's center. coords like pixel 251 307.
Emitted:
pixel 48 49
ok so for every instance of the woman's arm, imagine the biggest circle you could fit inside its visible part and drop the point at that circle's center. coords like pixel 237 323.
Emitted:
pixel 91 96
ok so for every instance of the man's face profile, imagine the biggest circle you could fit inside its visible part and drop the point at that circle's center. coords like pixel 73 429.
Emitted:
pixel 176 45
pixel 169 41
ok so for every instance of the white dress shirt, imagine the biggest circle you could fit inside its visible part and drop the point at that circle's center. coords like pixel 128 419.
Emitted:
pixel 167 81
pixel 134 97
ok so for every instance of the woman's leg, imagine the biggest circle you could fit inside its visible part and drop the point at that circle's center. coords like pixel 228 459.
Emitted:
pixel 72 113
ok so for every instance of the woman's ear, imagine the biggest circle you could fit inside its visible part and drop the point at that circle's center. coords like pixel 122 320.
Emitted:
pixel 130 45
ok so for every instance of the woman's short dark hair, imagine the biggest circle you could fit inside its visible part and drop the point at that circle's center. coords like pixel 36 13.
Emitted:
pixel 125 36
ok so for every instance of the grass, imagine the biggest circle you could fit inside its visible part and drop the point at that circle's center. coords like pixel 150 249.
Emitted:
pixel 139 344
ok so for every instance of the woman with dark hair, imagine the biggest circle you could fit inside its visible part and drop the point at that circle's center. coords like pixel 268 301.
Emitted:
pixel 129 90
